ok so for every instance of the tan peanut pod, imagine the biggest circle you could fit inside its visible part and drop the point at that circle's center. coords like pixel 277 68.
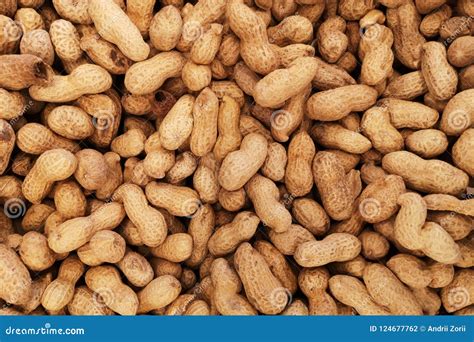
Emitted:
pixel 354 267
pixel 410 270
pixel 351 291
pixel 462 152
pixel 200 228
pixel 10 186
pixel 378 201
pixel 8 8
pixel 228 237
pixel 460 53
pixel 226 287
pixel 263 289
pixel 334 104
pixel 205 179
pixel 36 139
pixel 141 14
pixel 291 30
pixel 114 176
pixel 334 247
pixel 107 285
pixel 65 39
pixel 116 27
pixel 37 288
pixel 404 21
pixel 148 76
pixel 374 245
pixel 16 288
pixel 314 283
pixel 205 48
pixel 459 293
pixel 66 236
pixel 434 58
pixel 275 164
pixel 70 122
pixel 239 166
pixel 296 308
pixel 91 171
pixel 179 306
pixel 466 78
pixel 466 248
pixel 105 54
pixel 311 215
pixel 53 165
pixel 333 186
pixel 265 197
pixel 439 245
pixel 176 248
pixel 229 88
pixel 61 291
pixel 408 114
pixel 426 6
pixel 197 308
pixel 271 91
pixel 232 200
pixel 35 216
pixel 86 302
pixel 165 267
pixel 136 268
pixel 332 42
pixel 427 143
pixel 428 299
pixel 288 54
pixel 177 126
pixel 29 19
pixel 165 28
pixel 205 116
pixel 451 203
pixel 370 173
pixel 375 50
pixel 158 160
pixel 410 220
pixel 298 176
pixel 158 293
pixel 229 136
pixel 75 12
pixel 229 50
pixel 333 135
pixel 245 78
pixel 407 86
pixel 104 246
pixel 129 144
pixel 12 104
pixel 457 225
pixel 458 114
pixel 152 226
pixel 195 76
pixel 249 124
pixel 69 199
pixel 178 200
pixel 35 252
pixel 22 71
pixel 432 22
pixel 441 274
pixel 377 126
pixel 282 8
pixel 255 49
pixel 7 143
pixel 330 76
pixel 387 290
pixel 278 265
pixel 185 165
pixel 188 279
pixel 83 80
pixel 354 10
pixel 38 43
pixel 441 178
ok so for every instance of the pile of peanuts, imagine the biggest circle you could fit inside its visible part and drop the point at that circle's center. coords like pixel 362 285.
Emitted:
pixel 236 157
